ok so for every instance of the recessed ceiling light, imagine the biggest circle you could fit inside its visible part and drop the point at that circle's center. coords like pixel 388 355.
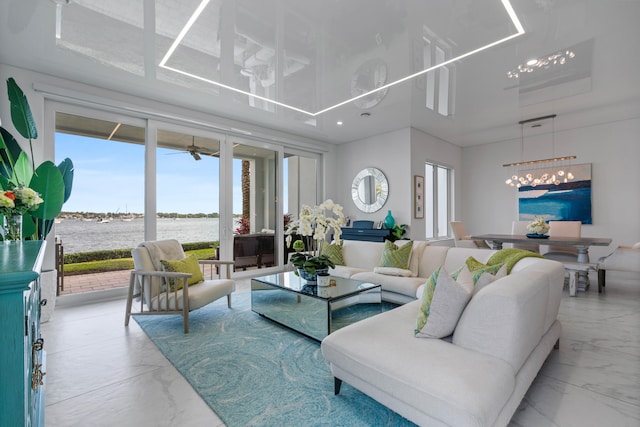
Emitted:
pixel 339 122
pixel 199 9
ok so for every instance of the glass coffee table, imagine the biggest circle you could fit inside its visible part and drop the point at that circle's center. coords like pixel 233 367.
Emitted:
pixel 312 310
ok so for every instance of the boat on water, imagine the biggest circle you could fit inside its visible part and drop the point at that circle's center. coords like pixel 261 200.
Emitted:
pixel 104 220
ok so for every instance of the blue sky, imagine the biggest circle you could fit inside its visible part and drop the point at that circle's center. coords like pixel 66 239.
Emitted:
pixel 109 177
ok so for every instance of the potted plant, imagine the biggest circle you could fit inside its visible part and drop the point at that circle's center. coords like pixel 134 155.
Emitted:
pixel 312 227
pixel 398 231
pixel 308 266
pixel 37 193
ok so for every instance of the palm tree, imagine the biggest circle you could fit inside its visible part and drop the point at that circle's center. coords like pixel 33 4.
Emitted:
pixel 246 190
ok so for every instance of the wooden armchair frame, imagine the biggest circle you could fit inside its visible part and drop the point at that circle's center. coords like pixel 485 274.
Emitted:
pixel 164 301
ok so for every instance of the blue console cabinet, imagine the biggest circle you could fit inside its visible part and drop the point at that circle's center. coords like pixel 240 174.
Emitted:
pixel 22 357
pixel 363 230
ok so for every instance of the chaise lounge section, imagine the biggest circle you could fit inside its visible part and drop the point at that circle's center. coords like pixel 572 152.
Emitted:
pixel 475 377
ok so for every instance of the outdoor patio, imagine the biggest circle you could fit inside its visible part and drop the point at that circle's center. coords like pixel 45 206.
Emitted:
pixel 95 282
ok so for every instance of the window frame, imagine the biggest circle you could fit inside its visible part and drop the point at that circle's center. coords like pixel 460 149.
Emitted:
pixel 431 169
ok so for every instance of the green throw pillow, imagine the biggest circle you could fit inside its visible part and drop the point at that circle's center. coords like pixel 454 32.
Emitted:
pixel 333 251
pixel 185 265
pixel 394 256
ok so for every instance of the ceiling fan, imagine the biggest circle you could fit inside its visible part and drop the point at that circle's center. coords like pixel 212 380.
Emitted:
pixel 196 151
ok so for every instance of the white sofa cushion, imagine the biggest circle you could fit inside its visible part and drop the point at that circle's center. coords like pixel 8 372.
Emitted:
pixel 364 255
pixel 504 320
pixel 346 271
pixel 454 385
pixel 400 285
pixel 391 271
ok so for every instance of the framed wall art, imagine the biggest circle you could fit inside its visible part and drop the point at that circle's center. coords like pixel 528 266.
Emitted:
pixel 567 201
pixel 418 196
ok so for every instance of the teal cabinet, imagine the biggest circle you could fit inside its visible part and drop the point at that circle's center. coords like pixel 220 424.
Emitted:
pixel 22 356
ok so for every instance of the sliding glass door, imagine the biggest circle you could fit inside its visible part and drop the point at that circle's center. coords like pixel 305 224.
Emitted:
pixel 257 214
pixel 188 188
pixel 225 194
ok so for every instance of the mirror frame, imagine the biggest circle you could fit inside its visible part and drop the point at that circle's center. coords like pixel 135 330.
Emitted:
pixel 380 179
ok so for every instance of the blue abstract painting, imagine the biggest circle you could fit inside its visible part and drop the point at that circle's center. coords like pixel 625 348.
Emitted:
pixel 567 201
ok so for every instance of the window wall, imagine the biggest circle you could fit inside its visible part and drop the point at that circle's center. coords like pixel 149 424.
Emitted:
pixel 106 207
pixel 438 186
pixel 188 187
pixel 144 179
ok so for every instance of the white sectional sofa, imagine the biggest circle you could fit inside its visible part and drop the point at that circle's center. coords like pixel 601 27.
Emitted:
pixel 477 376
pixel 361 258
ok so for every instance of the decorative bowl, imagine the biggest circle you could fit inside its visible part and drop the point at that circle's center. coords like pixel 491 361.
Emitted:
pixel 537 236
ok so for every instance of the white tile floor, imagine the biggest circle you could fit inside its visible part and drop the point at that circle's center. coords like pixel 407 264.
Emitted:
pixel 100 373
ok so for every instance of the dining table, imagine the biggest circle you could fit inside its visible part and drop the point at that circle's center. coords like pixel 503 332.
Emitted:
pixel 581 243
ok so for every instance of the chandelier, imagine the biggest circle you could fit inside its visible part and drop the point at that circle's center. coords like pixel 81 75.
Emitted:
pixel 558 58
pixel 551 171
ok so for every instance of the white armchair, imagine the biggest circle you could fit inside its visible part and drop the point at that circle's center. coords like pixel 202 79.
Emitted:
pixel 164 292
pixel 624 258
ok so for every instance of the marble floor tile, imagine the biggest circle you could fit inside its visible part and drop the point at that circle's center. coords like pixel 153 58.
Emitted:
pixel 100 373
pixel 550 402
pixel 157 398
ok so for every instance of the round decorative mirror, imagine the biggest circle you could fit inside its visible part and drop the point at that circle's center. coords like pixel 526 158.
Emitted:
pixel 369 76
pixel 369 190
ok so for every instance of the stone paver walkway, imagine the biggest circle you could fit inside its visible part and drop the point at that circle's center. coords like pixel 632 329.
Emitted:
pixel 95 282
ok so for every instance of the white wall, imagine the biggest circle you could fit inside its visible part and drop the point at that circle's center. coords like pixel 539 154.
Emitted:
pixel 400 155
pixel 428 148
pixel 613 149
pixel 389 152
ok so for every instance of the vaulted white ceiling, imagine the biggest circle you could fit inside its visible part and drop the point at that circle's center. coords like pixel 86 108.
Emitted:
pixel 296 65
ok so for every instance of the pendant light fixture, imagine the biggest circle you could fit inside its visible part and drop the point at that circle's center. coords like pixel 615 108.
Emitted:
pixel 551 171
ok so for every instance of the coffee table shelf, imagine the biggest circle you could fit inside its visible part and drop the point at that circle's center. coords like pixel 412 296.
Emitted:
pixel 312 310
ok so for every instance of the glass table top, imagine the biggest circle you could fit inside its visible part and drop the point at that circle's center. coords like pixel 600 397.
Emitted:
pixel 343 287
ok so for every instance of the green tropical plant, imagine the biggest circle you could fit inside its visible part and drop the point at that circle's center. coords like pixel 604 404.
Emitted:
pixel 53 183
pixel 398 231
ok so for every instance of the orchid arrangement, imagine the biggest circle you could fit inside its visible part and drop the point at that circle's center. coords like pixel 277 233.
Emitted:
pixel 315 222
pixel 313 225
pixel 538 226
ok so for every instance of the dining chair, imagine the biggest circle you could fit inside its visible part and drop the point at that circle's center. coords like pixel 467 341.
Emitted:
pixel 520 228
pixel 462 239
pixel 624 258
pixel 162 279
pixel 562 229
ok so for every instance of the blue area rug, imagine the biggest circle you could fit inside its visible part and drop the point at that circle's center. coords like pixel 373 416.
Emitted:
pixel 253 372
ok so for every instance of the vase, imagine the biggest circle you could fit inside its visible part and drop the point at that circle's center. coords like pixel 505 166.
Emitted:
pixel 323 279
pixel 389 222
pixel 311 278
pixel 12 227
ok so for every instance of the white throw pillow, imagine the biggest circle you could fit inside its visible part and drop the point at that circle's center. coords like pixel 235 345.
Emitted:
pixel 487 278
pixel 441 305
pixel 392 271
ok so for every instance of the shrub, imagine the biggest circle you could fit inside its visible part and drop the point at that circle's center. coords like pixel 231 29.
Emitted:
pixel 126 253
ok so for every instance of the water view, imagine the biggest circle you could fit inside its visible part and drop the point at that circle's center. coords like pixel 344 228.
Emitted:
pixel 87 236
